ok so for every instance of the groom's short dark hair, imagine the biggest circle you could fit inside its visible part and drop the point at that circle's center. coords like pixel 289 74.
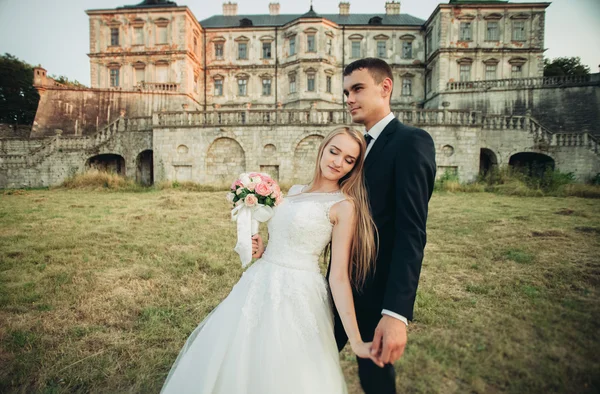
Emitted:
pixel 378 68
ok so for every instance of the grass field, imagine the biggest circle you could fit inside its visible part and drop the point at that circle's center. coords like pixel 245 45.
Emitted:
pixel 98 291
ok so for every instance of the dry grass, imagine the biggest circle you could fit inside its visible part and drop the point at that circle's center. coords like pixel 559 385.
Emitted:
pixel 98 291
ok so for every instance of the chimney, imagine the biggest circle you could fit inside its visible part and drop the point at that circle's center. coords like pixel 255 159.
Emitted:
pixel 392 8
pixel 344 8
pixel 273 8
pixel 230 9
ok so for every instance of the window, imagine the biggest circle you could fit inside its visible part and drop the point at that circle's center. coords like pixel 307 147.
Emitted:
pixel 517 71
pixel 310 82
pixel 465 31
pixel 140 75
pixel 328 84
pixel 381 49
pixel 407 50
pixel 429 81
pixel 266 87
pixel 407 87
pixel 138 33
pixel 356 49
pixel 114 77
pixel 162 73
pixel 292 78
pixel 114 36
pixel 465 72
pixel 162 34
pixel 242 50
pixel 310 43
pixel 266 50
pixel 493 33
pixel 292 46
pixel 218 87
pixel 242 85
pixel 490 72
pixel 219 50
pixel 195 46
pixel 518 31
pixel 329 46
pixel 429 42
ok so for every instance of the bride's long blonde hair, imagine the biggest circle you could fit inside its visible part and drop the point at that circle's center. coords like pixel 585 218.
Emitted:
pixel 363 251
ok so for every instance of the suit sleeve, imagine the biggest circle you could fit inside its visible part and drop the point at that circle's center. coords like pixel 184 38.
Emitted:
pixel 414 176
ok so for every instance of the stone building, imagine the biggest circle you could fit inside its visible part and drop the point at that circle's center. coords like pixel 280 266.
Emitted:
pixel 174 98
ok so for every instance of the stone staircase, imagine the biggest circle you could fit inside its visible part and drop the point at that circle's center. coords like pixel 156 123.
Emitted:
pixel 58 143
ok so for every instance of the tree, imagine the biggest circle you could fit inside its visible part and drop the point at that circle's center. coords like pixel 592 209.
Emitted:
pixel 565 66
pixel 18 98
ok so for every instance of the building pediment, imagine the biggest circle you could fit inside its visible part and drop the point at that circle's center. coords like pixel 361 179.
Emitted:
pixel 139 65
pixel 407 37
pixel 381 37
pixel 311 30
pixel 242 39
pixel 465 17
pixel 356 37
pixel 138 22
pixel 267 38
pixel 491 61
pixel 218 39
pixel 407 75
pixel 493 17
pixel 520 16
pixel 464 60
pixel 517 61
pixel 161 22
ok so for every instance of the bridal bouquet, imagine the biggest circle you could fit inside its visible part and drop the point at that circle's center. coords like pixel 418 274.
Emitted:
pixel 253 196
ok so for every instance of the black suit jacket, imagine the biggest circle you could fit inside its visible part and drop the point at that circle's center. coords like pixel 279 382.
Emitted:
pixel 399 173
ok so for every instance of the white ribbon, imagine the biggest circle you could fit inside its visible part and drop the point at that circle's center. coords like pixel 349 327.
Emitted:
pixel 248 219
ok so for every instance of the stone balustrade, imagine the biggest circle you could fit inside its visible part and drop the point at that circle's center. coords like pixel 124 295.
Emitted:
pixel 157 87
pixel 518 83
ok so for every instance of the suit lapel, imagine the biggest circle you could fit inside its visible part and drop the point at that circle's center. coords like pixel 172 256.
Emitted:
pixel 380 143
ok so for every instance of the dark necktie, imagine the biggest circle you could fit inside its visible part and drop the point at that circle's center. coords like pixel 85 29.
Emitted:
pixel 368 138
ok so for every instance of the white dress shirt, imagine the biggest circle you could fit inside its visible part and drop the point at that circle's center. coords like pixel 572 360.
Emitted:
pixel 375 132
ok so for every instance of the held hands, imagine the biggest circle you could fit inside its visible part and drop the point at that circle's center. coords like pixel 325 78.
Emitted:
pixel 257 246
pixel 363 350
pixel 389 340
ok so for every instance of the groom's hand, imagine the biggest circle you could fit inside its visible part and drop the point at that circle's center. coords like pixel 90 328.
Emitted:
pixel 257 246
pixel 389 340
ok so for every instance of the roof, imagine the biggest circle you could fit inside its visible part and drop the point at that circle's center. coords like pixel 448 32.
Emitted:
pixel 265 20
pixel 152 3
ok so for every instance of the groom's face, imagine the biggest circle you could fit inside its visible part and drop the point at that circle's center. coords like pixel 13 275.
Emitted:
pixel 366 99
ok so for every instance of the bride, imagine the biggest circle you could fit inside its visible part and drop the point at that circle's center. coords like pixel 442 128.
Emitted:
pixel 274 333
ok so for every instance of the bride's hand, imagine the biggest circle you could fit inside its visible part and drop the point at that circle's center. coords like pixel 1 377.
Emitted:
pixel 363 350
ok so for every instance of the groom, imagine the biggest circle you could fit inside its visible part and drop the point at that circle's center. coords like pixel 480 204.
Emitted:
pixel 399 174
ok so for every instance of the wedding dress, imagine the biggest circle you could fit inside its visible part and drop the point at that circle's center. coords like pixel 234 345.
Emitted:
pixel 273 334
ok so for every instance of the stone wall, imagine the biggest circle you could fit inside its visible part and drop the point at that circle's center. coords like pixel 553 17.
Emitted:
pixel 565 106
pixel 81 112
pixel 214 147
pixel 14 131
pixel 49 161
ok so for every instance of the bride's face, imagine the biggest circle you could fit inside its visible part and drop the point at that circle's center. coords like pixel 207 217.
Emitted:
pixel 339 157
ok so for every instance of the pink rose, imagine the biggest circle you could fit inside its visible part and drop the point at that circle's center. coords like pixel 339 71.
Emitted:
pixel 235 184
pixel 251 186
pixel 251 200
pixel 263 189
pixel 253 174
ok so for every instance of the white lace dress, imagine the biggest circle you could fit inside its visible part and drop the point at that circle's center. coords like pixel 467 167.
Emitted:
pixel 273 334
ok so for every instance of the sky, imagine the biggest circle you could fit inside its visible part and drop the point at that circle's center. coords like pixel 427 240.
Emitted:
pixel 55 33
